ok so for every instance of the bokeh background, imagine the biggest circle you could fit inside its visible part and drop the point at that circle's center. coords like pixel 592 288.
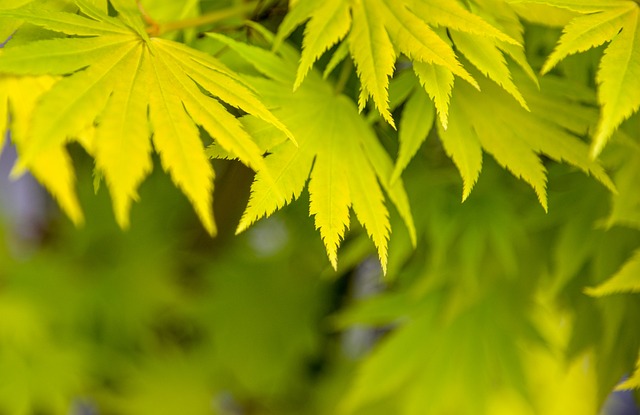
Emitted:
pixel 163 319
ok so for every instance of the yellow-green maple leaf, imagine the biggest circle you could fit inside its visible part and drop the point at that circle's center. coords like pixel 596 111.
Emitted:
pixel 484 38
pixel 618 77
pixel 416 123
pixel 625 206
pixel 375 30
pixel 114 76
pixel 517 137
pixel 53 168
pixel 410 365
pixel 8 26
pixel 633 382
pixel 338 152
pixel 626 280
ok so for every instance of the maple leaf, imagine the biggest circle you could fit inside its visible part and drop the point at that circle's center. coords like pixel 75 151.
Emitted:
pixel 375 29
pixel 626 280
pixel 124 85
pixel 625 206
pixel 53 167
pixel 416 122
pixel 618 77
pixel 409 365
pixel 8 26
pixel 517 137
pixel 633 382
pixel 338 152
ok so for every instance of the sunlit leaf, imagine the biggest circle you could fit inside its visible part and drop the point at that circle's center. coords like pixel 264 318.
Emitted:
pixel 350 168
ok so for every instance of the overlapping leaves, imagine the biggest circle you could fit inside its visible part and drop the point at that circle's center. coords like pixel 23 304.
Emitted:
pixel 337 151
pixel 52 167
pixel 517 137
pixel 501 354
pixel 120 86
pixel 374 31
pixel 616 22
pixel 626 280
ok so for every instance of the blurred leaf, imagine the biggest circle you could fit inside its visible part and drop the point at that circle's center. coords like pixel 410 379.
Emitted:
pixel 633 382
pixel 349 164
pixel 627 279
pixel 168 386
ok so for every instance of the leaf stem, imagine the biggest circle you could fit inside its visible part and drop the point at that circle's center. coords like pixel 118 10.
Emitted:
pixel 157 29
pixel 343 78
pixel 153 26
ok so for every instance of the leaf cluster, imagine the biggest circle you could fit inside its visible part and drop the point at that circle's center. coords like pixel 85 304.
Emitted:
pixel 385 112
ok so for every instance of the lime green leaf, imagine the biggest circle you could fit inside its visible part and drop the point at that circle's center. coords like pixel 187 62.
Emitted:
pixel 415 125
pixel 290 168
pixel 69 55
pixel 129 14
pixel 383 167
pixel 633 382
pixel 379 28
pixel 410 364
pixel 374 55
pixel 337 151
pixel 53 167
pixel 176 138
pixel 122 147
pixel 515 139
pixel 214 118
pixel 584 33
pixel 543 14
pixel 625 209
pixel 400 88
pixel 8 25
pixel 113 79
pixel 619 78
pixel 95 9
pixel 340 54
pixel 627 279
pixel 327 188
pixel 67 23
pixel 329 25
pixel 298 13
pixel 461 144
pixel 438 82
pixel 221 82
pixel 451 14
pixel 581 6
pixel 617 22
pixel 504 17
pixel 485 55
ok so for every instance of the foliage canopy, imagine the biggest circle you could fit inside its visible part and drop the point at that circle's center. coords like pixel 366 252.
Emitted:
pixel 384 108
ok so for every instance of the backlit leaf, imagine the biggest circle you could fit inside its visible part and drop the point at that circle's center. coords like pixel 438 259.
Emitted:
pixel 626 280
pixel 616 22
pixel 338 152
pixel 377 30
pixel 114 75
pixel 510 138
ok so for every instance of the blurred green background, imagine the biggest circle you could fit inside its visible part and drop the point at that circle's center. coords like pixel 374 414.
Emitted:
pixel 487 315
